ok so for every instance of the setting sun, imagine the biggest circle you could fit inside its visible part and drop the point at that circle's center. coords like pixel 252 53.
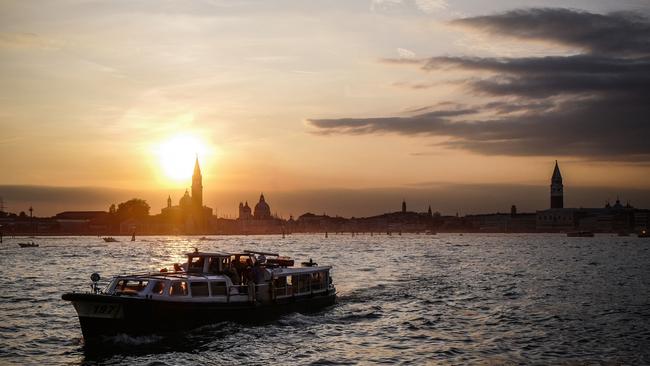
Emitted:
pixel 176 156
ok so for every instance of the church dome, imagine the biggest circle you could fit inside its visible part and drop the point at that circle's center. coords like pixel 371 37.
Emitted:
pixel 262 209
pixel 186 200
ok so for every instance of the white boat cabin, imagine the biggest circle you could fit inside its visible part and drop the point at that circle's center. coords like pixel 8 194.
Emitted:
pixel 227 278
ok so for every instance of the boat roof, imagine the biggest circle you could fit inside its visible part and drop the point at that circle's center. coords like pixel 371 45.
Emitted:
pixel 172 276
pixel 209 254
pixel 197 253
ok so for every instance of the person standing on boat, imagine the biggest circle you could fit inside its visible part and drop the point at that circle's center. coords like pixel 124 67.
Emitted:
pixel 258 273
pixel 234 275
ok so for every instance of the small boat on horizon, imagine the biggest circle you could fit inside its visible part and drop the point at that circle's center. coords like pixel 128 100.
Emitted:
pixel 643 234
pixel 28 245
pixel 209 288
pixel 580 234
pixel 110 239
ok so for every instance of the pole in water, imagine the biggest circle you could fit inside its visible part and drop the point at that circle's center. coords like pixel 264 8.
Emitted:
pixel 282 234
pixel 326 234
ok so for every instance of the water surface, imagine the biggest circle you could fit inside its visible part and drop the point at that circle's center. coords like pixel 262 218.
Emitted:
pixel 410 299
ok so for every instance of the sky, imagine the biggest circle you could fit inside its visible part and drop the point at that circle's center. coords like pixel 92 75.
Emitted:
pixel 343 107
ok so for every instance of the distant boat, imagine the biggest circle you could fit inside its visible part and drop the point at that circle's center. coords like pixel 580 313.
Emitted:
pixel 28 245
pixel 644 234
pixel 580 234
pixel 430 232
pixel 110 239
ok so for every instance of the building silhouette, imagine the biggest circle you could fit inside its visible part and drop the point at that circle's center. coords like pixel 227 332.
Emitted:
pixel 262 209
pixel 259 221
pixel 190 216
pixel 245 211
pixel 557 188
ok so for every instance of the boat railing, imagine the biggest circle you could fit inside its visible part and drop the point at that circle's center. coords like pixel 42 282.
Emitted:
pixel 308 287
pixel 284 291
pixel 175 274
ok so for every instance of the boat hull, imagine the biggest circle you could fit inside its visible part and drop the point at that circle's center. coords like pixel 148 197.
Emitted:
pixel 105 315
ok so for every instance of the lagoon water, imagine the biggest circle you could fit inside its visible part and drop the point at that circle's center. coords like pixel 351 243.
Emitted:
pixel 411 299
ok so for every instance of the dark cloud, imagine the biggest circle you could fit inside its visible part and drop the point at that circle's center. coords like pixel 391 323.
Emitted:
pixel 601 128
pixel 426 123
pixel 614 33
pixel 592 105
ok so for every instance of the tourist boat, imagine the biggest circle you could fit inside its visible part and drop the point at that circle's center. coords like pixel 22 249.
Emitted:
pixel 208 288
pixel 110 239
pixel 581 234
pixel 28 245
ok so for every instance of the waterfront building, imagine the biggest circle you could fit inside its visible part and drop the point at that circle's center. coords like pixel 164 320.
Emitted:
pixel 190 216
pixel 260 221
pixel 262 209
pixel 245 211
pixel 557 188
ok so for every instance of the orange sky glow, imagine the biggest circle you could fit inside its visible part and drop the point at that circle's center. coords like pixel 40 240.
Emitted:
pixel 124 96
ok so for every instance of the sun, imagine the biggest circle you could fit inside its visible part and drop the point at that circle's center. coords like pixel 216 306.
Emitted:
pixel 176 156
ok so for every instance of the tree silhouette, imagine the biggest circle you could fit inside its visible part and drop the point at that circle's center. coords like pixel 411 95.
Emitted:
pixel 135 208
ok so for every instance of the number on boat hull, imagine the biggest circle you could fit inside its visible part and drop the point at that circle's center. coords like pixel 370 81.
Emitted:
pixel 99 310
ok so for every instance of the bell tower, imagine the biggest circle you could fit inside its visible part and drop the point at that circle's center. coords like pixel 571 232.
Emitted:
pixel 197 185
pixel 557 188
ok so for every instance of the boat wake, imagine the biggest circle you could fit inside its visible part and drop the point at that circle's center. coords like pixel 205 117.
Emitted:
pixel 127 340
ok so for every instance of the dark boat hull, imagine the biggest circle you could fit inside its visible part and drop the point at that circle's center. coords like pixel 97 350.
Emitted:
pixel 106 315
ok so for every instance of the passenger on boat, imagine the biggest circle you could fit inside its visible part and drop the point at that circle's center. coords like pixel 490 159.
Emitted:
pixel 258 273
pixel 214 266
pixel 234 275
pixel 248 272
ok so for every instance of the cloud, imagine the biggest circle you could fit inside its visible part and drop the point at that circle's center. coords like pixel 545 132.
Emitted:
pixel 405 53
pixel 614 34
pixel 591 105
pixel 431 6
pixel 18 40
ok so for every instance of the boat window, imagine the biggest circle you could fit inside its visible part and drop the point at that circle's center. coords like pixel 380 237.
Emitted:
pixel 178 288
pixel 199 289
pixel 130 287
pixel 158 288
pixel 318 280
pixel 218 288
pixel 302 283
pixel 196 264
pixel 281 282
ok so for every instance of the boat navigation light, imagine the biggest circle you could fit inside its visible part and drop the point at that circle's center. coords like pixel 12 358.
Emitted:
pixel 95 278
